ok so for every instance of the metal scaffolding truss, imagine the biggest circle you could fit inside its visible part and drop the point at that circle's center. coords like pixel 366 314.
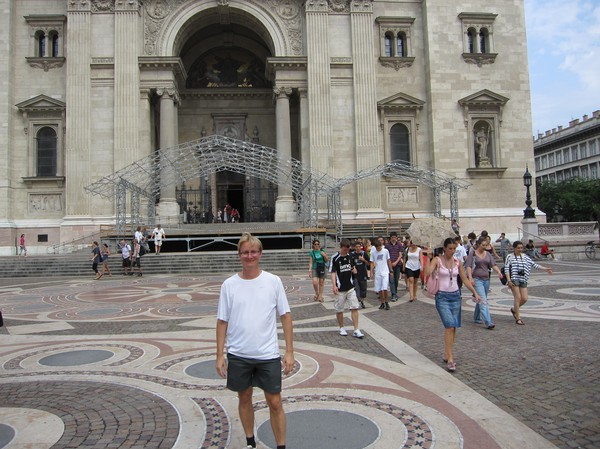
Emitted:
pixel 209 155
pixel 438 182
pixel 212 154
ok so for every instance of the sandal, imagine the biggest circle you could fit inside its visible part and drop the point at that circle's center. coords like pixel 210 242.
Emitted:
pixel 451 366
pixel 315 298
pixel 519 322
pixel 514 314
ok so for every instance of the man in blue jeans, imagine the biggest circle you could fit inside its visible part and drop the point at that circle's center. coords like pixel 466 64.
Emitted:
pixel 395 249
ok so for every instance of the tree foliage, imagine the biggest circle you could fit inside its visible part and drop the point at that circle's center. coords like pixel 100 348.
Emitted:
pixel 576 199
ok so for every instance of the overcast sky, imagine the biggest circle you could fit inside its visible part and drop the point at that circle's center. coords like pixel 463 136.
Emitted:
pixel 564 60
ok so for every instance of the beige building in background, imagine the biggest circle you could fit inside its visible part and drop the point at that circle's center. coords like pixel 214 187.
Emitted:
pixel 91 86
pixel 569 152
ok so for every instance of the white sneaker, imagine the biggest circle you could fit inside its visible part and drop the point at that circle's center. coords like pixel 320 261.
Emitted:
pixel 343 332
pixel 358 334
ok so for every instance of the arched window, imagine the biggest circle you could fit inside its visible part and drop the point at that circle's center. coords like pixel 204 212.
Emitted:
pixel 399 143
pixel 483 41
pixel 388 44
pixel 471 40
pixel 53 38
pixel 401 45
pixel 46 152
pixel 41 44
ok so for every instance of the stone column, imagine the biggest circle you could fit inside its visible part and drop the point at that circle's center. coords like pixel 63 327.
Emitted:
pixel 319 85
pixel 127 84
pixel 304 128
pixel 168 209
pixel 285 207
pixel 365 107
pixel 78 114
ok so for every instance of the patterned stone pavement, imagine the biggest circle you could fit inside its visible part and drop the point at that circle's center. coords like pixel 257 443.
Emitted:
pixel 127 362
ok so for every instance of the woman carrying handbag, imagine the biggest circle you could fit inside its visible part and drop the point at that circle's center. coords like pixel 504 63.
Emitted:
pixel 448 299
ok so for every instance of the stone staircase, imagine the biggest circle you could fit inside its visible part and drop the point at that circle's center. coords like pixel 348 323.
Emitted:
pixel 374 228
pixel 223 262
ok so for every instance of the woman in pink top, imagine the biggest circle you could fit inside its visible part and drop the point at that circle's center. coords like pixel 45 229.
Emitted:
pixel 448 299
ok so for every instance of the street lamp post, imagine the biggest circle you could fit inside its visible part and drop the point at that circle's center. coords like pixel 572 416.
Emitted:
pixel 528 212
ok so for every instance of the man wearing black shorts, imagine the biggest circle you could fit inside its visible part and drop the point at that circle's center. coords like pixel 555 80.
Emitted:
pixel 247 318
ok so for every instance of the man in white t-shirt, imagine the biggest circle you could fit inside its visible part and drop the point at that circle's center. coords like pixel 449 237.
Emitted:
pixel 126 255
pixel 158 235
pixel 247 321
pixel 381 270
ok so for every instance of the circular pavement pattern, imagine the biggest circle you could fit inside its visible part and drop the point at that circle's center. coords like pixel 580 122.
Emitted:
pixel 344 430
pixel 74 358
pixel 7 433
pixel 203 370
pixel 130 415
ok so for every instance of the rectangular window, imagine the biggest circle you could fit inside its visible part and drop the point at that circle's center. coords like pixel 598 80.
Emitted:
pixel 584 172
pixel 594 171
pixel 558 157
pixel 551 160
pixel 42 238
pixel 593 148
pixel 553 177
pixel 583 150
pixel 560 176
pixel 537 164
pixel 566 155
pixel 575 172
pixel 544 162
pixel 574 153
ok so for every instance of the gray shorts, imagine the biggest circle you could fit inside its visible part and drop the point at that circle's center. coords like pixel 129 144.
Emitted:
pixel 243 373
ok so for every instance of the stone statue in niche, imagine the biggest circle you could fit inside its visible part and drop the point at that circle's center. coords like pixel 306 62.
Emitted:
pixel 482 142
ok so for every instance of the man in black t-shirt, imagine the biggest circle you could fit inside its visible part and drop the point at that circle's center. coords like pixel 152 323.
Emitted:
pixel 342 269
pixel 363 265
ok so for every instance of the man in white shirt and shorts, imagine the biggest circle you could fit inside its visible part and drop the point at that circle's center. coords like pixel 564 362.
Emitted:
pixel 158 235
pixel 247 322
pixel 381 266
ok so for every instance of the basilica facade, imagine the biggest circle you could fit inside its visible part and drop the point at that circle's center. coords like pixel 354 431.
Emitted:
pixel 348 88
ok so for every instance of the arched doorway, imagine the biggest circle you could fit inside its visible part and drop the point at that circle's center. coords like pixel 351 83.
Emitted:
pixel 227 93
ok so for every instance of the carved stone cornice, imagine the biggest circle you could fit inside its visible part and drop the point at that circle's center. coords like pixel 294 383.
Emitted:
pixel 479 58
pixel 361 6
pixel 127 5
pixel 275 64
pixel 339 6
pixel 45 63
pixel 173 63
pixel 396 63
pixel 316 6
pixel 79 6
pixel 102 6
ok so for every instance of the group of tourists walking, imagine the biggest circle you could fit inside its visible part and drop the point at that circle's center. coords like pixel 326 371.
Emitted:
pixel 454 265
pixel 131 253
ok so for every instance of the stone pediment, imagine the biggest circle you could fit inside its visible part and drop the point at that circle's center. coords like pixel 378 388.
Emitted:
pixel 484 98
pixel 41 103
pixel 400 101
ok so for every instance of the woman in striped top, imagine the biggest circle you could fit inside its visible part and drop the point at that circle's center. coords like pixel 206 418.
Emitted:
pixel 518 267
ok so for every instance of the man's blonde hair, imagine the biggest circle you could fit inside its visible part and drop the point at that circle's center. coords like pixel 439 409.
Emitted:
pixel 249 238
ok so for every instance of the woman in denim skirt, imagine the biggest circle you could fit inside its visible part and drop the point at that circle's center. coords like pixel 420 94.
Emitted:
pixel 448 299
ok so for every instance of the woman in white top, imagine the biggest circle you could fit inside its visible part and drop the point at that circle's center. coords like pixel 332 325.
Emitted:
pixel 517 269
pixel 412 257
